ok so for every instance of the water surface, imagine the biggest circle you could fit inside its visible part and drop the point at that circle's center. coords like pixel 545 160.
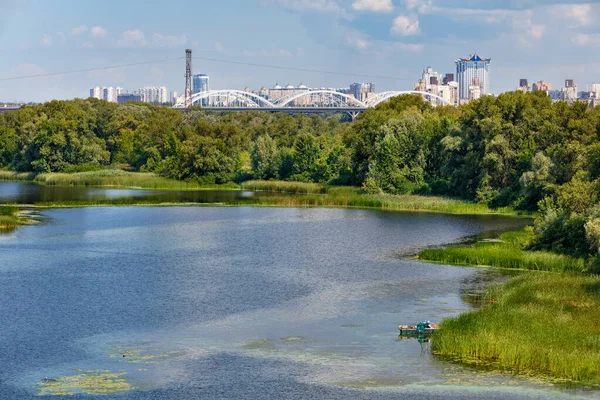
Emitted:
pixel 187 302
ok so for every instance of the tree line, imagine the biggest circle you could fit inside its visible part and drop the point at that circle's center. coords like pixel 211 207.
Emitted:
pixel 517 149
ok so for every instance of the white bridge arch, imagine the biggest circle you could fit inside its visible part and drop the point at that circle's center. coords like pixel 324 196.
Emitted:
pixel 228 98
pixel 322 97
pixel 320 100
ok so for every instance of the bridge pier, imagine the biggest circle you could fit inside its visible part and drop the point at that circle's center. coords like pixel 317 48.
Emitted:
pixel 353 115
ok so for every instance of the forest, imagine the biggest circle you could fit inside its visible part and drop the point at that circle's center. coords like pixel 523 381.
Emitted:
pixel 516 149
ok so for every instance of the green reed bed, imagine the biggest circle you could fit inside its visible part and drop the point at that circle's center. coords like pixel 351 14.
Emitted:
pixel 508 252
pixel 285 187
pixel 112 177
pixel 313 195
pixel 9 218
pixel 546 324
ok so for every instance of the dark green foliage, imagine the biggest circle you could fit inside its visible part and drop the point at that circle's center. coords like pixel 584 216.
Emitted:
pixel 516 150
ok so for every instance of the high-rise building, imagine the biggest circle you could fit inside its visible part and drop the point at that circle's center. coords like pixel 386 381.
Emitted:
pixel 362 91
pixel 448 78
pixel 200 83
pixel 154 94
pixel 470 68
pixel 97 93
pixel 106 93
pixel 569 92
pixel 542 85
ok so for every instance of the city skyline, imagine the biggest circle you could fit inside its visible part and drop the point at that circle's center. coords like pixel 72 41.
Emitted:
pixel 378 38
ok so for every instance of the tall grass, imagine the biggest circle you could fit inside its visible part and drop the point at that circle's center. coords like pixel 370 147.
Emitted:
pixel 536 323
pixel 508 252
pixel 9 218
pixel 111 177
pixel 315 195
pixel 285 187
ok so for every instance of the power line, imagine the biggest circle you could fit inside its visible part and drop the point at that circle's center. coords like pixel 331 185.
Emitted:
pixel 297 69
pixel 302 69
pixel 77 71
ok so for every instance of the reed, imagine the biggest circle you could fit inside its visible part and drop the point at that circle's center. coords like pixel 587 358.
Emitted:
pixel 298 194
pixel 507 252
pixel 112 177
pixel 535 324
pixel 285 187
pixel 9 218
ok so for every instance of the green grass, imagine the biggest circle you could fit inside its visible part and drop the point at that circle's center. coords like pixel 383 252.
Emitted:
pixel 535 324
pixel 9 218
pixel 285 187
pixel 111 177
pixel 298 194
pixel 507 252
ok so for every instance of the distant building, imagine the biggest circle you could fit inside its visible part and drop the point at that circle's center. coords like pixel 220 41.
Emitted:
pixel 97 93
pixel 467 69
pixel 173 97
pixel 279 92
pixel 154 94
pixel 106 93
pixel 569 92
pixel 126 97
pixel 523 85
pixel 362 91
pixel 542 86
pixel 200 83
pixel 448 78
pixel 475 89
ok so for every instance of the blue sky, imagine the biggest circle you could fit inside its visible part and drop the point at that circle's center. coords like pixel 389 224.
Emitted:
pixel 391 39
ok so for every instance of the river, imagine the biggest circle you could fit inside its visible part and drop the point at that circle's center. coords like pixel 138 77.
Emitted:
pixel 237 302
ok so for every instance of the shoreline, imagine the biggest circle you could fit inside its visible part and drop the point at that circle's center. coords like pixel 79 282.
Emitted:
pixel 540 323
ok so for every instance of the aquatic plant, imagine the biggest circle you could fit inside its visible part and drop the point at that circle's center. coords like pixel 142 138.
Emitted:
pixel 507 252
pixel 534 324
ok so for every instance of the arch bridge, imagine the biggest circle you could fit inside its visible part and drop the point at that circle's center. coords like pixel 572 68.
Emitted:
pixel 306 102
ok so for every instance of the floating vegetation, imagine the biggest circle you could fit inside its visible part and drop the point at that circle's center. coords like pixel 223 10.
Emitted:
pixel 293 339
pixel 88 382
pixel 264 344
pixel 136 356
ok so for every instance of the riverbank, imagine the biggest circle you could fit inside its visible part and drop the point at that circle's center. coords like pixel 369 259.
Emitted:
pixel 535 324
pixel 12 216
pixel 281 193
pixel 111 178
pixel 506 251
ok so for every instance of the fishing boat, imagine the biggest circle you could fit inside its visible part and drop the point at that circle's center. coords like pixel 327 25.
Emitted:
pixel 422 328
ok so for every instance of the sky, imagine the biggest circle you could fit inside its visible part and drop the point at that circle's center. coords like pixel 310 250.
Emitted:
pixel 387 42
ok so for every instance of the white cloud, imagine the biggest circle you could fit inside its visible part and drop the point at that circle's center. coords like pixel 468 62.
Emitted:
pixel 132 38
pixel 586 39
pixel 421 6
pixel 99 32
pixel 409 47
pixel 536 31
pixel 159 40
pixel 136 38
pixel 580 13
pixel 357 40
pixel 380 6
pixel 405 26
pixel 78 30
pixel 47 40
pixel 325 6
